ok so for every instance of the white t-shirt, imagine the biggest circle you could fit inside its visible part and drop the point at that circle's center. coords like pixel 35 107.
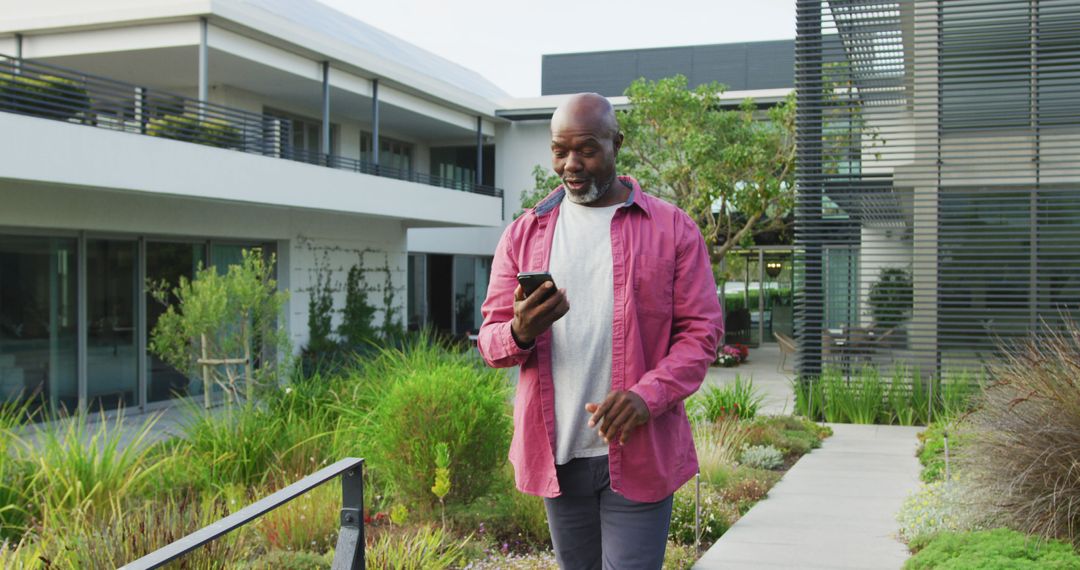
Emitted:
pixel 581 340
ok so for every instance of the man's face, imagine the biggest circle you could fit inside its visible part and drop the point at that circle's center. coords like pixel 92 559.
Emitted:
pixel 583 152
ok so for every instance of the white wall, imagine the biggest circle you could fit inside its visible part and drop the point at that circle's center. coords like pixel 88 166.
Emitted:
pixel 56 152
pixel 302 236
pixel 519 146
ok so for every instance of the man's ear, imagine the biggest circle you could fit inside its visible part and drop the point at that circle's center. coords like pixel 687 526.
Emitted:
pixel 617 141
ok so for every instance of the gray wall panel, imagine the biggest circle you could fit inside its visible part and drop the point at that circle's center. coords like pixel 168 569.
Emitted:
pixel 740 66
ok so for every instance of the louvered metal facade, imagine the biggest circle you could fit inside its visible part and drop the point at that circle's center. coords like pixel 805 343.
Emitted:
pixel 938 179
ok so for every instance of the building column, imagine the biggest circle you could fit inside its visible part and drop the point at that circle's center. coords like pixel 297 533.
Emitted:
pixel 325 146
pixel 810 188
pixel 18 53
pixel 204 67
pixel 375 123
pixel 479 150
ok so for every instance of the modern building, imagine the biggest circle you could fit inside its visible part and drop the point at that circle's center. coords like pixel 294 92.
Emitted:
pixel 142 139
pixel 938 213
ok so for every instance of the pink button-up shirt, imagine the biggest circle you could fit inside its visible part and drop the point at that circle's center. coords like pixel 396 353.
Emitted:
pixel 665 327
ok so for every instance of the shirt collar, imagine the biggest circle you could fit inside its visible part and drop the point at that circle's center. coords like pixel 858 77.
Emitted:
pixel 636 198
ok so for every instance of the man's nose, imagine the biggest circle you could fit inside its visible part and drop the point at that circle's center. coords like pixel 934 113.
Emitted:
pixel 573 162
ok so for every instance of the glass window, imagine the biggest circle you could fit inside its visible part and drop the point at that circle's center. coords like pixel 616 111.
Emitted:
pixel 169 262
pixel 464 294
pixel 392 153
pixel 38 320
pixel 111 358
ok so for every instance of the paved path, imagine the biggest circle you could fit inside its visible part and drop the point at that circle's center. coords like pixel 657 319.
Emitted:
pixel 834 509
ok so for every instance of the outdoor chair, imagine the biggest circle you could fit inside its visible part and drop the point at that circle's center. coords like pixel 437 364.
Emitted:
pixel 787 346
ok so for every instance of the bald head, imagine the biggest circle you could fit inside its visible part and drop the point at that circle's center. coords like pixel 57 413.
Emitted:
pixel 586 110
pixel 585 140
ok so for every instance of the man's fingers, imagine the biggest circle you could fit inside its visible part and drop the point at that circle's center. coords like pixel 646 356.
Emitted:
pixel 519 293
pixel 622 423
pixel 603 409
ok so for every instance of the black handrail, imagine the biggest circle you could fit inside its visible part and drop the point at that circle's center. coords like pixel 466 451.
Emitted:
pixel 349 553
pixel 32 88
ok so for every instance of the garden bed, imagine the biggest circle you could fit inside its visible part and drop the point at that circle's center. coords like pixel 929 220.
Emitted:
pixel 65 504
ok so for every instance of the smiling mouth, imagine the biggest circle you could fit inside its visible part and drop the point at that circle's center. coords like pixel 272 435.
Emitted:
pixel 575 183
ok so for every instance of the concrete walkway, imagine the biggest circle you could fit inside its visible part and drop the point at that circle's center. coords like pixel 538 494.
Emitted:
pixel 834 509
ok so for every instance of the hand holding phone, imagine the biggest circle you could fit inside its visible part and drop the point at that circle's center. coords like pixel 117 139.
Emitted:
pixel 534 314
pixel 531 281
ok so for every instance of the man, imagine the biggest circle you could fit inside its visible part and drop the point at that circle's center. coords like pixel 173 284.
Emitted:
pixel 606 360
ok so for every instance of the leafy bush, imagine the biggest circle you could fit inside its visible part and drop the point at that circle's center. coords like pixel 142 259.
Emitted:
pixel 792 436
pixel 187 127
pixel 1025 435
pixel 762 457
pixel 739 399
pixel 717 516
pixel 931 452
pixel 939 507
pixel 505 516
pixel 891 297
pixel 427 392
pixel 992 549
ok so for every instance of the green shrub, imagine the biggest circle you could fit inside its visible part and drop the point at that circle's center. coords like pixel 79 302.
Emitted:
pixel 187 127
pixel 739 399
pixel 931 451
pixel 717 516
pixel 762 457
pixel 45 96
pixel 991 550
pixel 505 516
pixel 427 392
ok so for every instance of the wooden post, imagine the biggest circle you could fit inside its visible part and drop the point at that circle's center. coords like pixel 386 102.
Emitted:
pixel 206 374
pixel 249 387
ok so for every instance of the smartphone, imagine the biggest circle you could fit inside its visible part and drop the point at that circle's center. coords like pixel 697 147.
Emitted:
pixel 531 281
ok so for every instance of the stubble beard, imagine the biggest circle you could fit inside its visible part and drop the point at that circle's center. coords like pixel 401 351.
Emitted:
pixel 593 193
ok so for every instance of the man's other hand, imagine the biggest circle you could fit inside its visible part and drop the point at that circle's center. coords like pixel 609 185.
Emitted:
pixel 618 415
pixel 534 314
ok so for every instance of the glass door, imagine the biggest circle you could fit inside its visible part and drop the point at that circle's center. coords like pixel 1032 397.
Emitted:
pixel 111 348
pixel 169 262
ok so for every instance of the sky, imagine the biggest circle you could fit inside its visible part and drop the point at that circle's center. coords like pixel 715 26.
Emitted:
pixel 504 40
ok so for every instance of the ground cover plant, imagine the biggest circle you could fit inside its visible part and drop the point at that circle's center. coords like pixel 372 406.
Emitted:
pixel 1001 548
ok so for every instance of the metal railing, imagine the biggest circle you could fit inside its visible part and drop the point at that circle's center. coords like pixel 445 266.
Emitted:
pixel 51 92
pixel 345 163
pixel 349 552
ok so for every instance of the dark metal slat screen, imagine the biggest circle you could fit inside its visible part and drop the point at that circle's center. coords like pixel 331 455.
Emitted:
pixel 938 179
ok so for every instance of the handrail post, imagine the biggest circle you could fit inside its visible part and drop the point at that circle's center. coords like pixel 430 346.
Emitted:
pixel 349 552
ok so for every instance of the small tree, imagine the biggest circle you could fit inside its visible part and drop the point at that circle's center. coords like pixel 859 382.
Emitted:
pixel 224 328
pixel 732 171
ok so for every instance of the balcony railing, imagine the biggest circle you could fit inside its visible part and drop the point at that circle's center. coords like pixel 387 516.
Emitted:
pixel 51 92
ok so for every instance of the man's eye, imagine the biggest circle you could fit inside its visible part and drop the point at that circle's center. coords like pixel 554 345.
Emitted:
pixel 559 153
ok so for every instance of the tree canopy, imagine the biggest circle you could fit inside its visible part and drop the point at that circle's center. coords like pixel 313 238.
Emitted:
pixel 732 171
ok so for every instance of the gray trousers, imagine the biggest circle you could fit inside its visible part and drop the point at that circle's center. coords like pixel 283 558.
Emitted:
pixel 593 527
